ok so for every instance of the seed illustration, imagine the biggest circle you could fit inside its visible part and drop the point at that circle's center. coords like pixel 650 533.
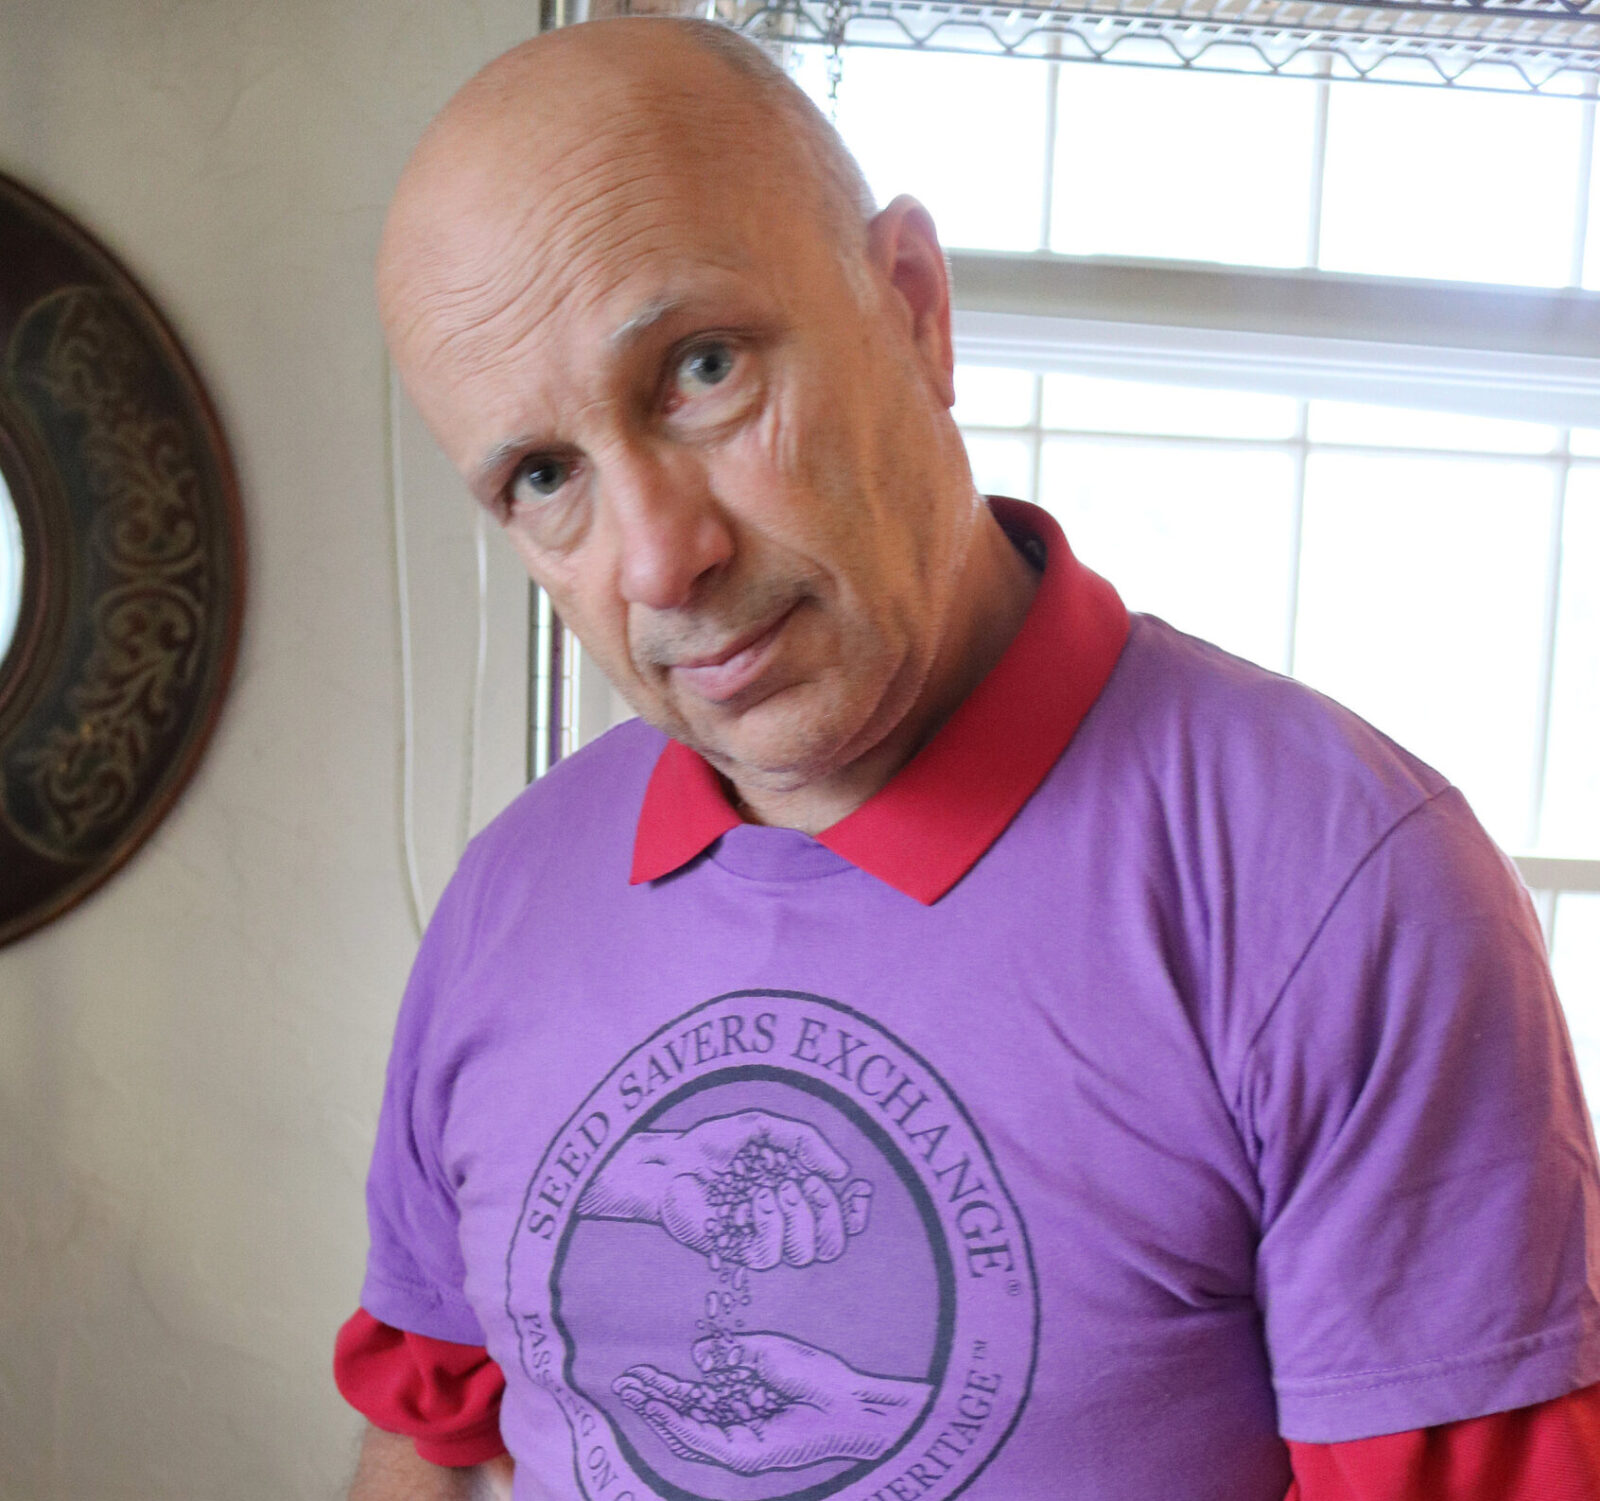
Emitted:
pixel 732 1225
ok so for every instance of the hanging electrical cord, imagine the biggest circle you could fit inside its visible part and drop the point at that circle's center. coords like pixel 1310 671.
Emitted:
pixel 480 671
pixel 395 478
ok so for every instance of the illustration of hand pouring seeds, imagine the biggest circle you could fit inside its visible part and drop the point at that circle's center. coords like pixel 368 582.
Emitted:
pixel 748 1190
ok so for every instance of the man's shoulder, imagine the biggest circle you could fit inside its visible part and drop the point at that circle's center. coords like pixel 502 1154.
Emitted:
pixel 586 801
pixel 1280 836
pixel 526 879
pixel 1252 788
pixel 1199 712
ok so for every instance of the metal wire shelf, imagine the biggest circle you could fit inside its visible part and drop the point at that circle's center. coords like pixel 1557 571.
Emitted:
pixel 1548 47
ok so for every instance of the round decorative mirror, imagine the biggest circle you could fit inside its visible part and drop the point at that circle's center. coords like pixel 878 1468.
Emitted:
pixel 121 564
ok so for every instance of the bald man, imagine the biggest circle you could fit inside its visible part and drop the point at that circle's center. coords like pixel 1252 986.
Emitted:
pixel 961 1039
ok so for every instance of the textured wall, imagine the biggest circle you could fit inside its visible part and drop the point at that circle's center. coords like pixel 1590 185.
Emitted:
pixel 189 1064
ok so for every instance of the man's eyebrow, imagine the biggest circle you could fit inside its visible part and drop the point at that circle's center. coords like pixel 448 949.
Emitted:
pixel 493 461
pixel 644 320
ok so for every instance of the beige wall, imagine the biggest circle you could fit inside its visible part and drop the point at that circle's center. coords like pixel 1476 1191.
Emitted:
pixel 189 1064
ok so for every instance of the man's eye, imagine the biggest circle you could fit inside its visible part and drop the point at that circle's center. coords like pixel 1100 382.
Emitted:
pixel 704 366
pixel 539 479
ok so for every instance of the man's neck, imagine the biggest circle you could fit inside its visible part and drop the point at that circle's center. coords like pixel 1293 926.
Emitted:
pixel 997 588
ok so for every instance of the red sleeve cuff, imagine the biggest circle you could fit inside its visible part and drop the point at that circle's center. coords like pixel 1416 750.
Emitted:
pixel 472 1446
pixel 443 1396
pixel 1549 1452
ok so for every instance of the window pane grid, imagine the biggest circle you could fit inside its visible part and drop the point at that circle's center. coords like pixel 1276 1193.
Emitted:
pixel 1544 904
pixel 1585 212
pixel 1547 664
pixel 1052 110
pixel 1319 168
pixel 1520 818
pixel 1572 793
pixel 1572 934
pixel 1297 532
pixel 1556 463
pixel 1499 204
pixel 1407 209
pixel 1037 455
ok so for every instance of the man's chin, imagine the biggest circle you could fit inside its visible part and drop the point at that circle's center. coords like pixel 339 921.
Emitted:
pixel 776 759
pixel 768 772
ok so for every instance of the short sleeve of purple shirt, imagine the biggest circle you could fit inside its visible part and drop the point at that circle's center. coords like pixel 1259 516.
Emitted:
pixel 1423 1152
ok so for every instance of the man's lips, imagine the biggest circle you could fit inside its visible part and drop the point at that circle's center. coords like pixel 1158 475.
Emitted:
pixel 722 675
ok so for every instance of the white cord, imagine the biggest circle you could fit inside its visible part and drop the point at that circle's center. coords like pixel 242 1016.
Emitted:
pixel 408 835
pixel 480 670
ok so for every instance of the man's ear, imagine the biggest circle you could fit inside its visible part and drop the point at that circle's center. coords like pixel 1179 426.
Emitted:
pixel 904 246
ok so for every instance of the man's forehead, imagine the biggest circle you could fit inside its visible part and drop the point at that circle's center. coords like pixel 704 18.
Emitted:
pixel 670 116
pixel 593 305
pixel 540 225
pixel 508 286
pixel 588 226
pixel 617 122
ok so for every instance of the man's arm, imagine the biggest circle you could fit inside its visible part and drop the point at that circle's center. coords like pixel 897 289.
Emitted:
pixel 391 1470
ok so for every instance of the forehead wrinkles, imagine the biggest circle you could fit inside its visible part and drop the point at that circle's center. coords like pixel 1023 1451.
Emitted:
pixel 579 236
pixel 526 230
pixel 667 175
pixel 597 272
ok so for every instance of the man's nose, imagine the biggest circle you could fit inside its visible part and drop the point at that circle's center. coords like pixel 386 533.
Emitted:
pixel 670 529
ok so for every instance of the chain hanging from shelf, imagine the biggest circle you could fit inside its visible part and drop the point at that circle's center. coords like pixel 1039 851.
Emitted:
pixel 1548 47
pixel 836 15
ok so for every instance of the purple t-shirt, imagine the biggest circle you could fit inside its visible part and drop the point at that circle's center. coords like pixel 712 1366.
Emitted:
pixel 1225 1098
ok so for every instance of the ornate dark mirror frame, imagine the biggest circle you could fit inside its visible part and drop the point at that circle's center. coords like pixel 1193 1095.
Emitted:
pixel 133 564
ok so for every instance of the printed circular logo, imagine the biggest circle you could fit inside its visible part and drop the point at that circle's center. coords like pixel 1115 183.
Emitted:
pixel 770 1256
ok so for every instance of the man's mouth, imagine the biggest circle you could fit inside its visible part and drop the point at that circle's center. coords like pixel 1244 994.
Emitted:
pixel 722 675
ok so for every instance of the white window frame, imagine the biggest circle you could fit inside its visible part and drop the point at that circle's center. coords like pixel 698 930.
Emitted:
pixel 1511 352
pixel 1517 352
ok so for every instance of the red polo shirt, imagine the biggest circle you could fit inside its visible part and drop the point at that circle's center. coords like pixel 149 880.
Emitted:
pixel 921 833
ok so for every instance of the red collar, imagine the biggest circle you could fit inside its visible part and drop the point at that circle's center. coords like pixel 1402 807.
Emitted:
pixel 935 818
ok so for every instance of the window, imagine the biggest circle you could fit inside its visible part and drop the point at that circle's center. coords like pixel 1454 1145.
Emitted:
pixel 1021 154
pixel 1420 538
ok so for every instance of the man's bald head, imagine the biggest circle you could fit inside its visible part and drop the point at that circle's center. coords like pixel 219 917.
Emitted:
pixel 561 115
pixel 634 285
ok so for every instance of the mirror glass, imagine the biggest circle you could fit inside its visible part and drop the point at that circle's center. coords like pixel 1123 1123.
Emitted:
pixel 10 568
